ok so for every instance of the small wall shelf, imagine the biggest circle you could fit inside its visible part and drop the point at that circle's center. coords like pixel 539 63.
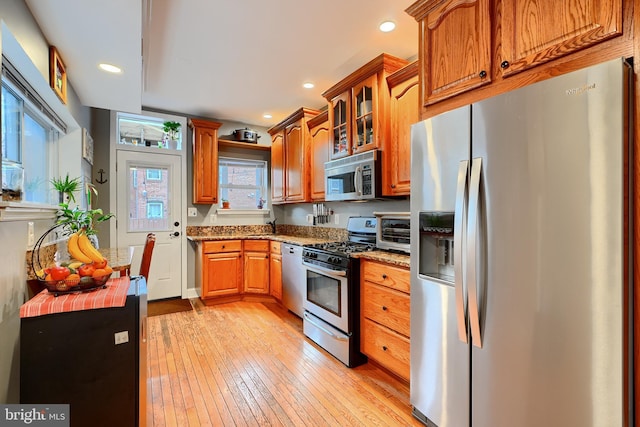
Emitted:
pixel 245 145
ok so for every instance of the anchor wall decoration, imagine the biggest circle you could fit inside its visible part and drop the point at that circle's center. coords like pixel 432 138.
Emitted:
pixel 102 179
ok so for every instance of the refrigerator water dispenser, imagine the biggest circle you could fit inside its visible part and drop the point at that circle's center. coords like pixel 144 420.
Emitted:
pixel 436 245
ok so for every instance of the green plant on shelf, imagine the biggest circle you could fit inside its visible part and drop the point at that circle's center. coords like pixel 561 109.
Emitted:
pixel 66 187
pixel 171 129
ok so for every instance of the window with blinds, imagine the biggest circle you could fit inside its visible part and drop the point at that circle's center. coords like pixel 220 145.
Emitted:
pixel 243 182
pixel 30 133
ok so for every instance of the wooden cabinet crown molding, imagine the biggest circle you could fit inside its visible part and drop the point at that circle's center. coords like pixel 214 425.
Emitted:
pixel 301 113
pixel 383 62
pixel 204 124
pixel 420 9
pixel 403 74
pixel 318 120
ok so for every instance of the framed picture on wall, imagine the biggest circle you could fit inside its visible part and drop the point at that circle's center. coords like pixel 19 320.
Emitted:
pixel 57 74
pixel 87 146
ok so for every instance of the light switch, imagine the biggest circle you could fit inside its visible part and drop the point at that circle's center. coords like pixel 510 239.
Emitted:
pixel 31 238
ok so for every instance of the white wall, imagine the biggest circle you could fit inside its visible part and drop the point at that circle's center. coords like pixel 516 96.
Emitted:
pixel 13 235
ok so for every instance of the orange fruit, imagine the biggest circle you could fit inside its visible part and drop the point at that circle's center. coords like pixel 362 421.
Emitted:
pixel 108 269
pixel 72 279
pixel 99 272
pixel 48 278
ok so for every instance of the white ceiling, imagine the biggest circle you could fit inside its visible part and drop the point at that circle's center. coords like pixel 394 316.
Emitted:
pixel 226 59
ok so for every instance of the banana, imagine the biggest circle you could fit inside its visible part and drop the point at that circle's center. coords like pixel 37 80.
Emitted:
pixel 75 264
pixel 85 246
pixel 75 251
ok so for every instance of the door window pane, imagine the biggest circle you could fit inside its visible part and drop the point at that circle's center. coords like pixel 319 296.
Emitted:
pixel 148 199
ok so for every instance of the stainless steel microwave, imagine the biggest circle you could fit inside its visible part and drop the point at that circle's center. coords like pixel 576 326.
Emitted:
pixel 355 177
pixel 393 231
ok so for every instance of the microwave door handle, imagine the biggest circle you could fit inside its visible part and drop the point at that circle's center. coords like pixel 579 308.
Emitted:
pixel 357 180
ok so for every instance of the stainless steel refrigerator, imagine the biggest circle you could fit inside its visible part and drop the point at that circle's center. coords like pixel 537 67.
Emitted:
pixel 520 244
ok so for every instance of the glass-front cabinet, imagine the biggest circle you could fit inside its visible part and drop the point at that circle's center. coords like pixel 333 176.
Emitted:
pixel 364 106
pixel 340 126
pixel 359 108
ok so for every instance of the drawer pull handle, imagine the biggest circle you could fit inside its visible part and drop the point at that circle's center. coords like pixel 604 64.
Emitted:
pixel 384 276
pixel 384 348
pixel 384 308
pixel 222 246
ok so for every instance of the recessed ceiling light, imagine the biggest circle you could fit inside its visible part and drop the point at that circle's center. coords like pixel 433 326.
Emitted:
pixel 267 116
pixel 387 26
pixel 110 68
pixel 308 85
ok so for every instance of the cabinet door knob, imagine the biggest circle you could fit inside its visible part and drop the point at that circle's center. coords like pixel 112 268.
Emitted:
pixel 482 74
pixel 393 186
pixel 384 347
pixel 384 308
pixel 504 65
pixel 384 276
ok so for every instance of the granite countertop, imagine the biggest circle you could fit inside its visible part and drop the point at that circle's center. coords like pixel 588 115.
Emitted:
pixel 295 235
pixel 285 238
pixel 401 260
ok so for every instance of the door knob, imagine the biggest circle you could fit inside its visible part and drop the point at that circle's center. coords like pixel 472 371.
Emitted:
pixel 174 234
pixel 176 224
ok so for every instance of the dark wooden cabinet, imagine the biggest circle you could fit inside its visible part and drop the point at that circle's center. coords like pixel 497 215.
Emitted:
pixel 205 161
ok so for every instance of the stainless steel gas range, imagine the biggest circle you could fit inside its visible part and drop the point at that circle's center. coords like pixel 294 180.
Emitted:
pixel 331 315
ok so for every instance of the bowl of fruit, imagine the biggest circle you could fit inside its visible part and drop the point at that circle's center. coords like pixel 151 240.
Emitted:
pixel 85 270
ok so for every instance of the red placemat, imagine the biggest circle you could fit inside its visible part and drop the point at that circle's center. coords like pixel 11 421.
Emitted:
pixel 114 295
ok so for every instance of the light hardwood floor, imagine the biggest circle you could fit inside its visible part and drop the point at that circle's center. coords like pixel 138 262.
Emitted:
pixel 249 364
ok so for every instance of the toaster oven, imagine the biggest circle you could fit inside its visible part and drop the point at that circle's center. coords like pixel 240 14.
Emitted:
pixel 393 231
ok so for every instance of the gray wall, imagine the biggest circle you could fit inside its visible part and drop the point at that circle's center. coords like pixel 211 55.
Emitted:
pixel 13 235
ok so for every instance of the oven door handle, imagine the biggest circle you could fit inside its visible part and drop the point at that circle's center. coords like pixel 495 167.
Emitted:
pixel 323 329
pixel 324 270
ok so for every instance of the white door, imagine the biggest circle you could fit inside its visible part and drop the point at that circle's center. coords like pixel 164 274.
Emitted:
pixel 148 201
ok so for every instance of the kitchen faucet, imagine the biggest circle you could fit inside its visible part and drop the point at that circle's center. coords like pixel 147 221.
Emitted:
pixel 273 225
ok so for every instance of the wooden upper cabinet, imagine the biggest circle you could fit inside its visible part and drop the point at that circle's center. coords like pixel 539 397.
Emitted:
pixel 294 171
pixel 404 111
pixel 537 31
pixel 277 167
pixel 359 107
pixel 319 133
pixel 205 161
pixel 455 46
pixel 296 157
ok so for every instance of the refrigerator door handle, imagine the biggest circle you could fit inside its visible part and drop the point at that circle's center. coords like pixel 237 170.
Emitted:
pixel 472 255
pixel 460 213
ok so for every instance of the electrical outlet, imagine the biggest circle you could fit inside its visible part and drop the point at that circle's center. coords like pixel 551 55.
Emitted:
pixel 336 219
pixel 310 218
pixel 121 337
pixel 213 218
pixel 192 212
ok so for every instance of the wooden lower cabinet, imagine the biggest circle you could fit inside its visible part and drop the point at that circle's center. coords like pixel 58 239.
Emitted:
pixel 256 266
pixel 275 271
pixel 231 270
pixel 385 316
pixel 221 268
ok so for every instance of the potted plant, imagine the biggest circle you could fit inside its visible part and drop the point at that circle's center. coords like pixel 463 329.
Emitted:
pixel 171 129
pixel 66 187
pixel 225 204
